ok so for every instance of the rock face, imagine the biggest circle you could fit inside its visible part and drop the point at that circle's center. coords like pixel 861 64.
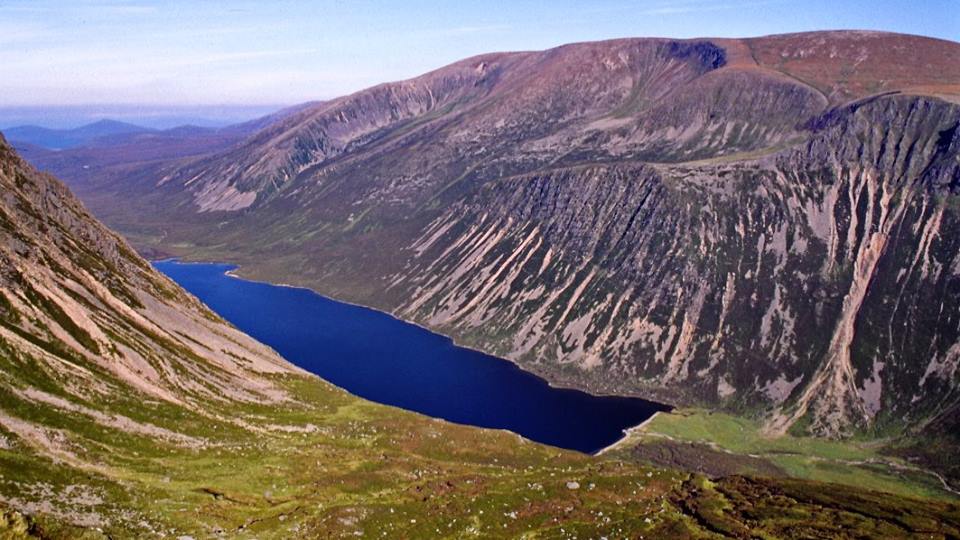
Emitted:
pixel 768 225
pixel 78 304
pixel 820 280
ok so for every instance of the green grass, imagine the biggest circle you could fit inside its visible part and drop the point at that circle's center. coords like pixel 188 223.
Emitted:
pixel 365 460
pixel 852 462
pixel 367 469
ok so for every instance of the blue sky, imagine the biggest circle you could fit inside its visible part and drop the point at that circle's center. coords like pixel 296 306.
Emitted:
pixel 283 52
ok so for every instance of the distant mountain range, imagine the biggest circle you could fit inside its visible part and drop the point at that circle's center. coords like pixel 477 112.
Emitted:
pixel 107 132
pixel 110 133
pixel 131 149
pixel 159 117
pixel 767 226
pixel 56 139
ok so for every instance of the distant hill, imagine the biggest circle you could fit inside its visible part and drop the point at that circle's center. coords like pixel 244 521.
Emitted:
pixel 114 156
pixel 56 139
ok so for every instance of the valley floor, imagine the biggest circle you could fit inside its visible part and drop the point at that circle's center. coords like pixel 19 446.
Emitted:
pixel 718 444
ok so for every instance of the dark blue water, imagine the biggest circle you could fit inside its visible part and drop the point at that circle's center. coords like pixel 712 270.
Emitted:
pixel 380 358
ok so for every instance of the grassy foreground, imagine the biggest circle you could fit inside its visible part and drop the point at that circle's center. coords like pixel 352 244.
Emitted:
pixel 329 465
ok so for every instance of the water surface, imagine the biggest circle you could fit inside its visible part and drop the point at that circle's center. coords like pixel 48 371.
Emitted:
pixel 383 359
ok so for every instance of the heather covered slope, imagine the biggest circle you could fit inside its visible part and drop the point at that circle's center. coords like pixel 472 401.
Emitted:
pixel 128 410
pixel 767 225
pixel 650 99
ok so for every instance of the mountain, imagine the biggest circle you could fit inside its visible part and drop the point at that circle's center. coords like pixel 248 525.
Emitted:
pixel 117 155
pixel 129 410
pixel 56 139
pixel 111 133
pixel 766 226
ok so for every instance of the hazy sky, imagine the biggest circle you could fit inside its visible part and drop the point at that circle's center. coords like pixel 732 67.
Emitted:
pixel 284 52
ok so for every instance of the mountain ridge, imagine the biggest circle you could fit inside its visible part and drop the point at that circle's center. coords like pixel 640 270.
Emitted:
pixel 56 139
pixel 740 65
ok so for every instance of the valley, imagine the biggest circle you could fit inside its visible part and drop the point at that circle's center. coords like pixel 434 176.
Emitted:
pixel 763 233
pixel 733 224
pixel 130 410
pixel 386 361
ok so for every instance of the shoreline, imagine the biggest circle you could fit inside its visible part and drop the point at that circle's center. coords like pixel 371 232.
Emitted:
pixel 235 273
pixel 627 434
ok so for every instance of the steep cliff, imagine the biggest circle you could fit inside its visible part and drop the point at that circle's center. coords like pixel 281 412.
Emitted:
pixel 821 279
pixel 77 298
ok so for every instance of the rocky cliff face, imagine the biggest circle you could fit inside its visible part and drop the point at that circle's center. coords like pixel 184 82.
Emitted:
pixel 821 281
pixel 767 225
pixel 79 307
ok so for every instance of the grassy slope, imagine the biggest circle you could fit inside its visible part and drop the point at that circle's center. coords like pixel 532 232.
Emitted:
pixel 352 466
pixel 357 467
